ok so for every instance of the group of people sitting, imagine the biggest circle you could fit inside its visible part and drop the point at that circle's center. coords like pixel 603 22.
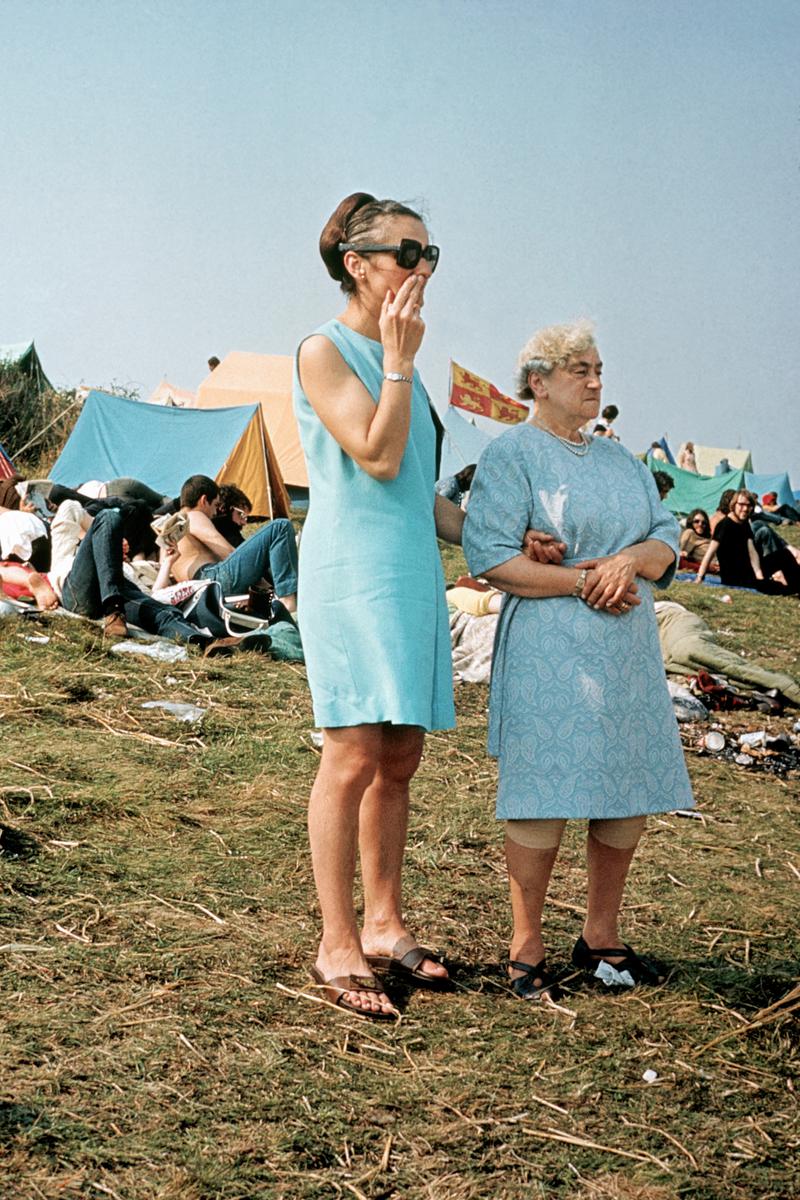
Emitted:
pixel 741 545
pixel 134 557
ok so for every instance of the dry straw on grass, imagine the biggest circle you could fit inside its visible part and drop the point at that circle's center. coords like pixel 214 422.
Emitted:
pixel 161 1036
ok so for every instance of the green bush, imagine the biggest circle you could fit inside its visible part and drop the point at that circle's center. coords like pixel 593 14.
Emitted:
pixel 34 422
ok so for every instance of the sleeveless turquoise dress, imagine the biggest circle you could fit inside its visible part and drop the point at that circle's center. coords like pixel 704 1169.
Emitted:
pixel 371 603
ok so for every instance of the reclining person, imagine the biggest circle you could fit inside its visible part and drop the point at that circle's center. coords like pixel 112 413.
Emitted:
pixel 203 553
pixel 110 495
pixel 20 581
pixel 23 534
pixel 688 645
pixel 233 512
pixel 95 586
pixel 779 560
pixel 779 512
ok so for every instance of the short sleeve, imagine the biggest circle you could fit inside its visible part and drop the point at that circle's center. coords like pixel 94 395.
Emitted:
pixel 500 506
pixel 663 525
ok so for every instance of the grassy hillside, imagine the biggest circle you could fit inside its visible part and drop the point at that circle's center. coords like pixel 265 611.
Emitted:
pixel 159 917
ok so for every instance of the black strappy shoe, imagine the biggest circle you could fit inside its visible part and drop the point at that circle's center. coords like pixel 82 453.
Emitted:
pixel 639 970
pixel 536 984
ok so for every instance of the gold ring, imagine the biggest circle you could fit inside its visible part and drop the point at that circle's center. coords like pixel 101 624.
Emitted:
pixel 625 607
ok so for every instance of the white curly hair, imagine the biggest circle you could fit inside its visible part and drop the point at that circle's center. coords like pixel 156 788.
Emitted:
pixel 550 348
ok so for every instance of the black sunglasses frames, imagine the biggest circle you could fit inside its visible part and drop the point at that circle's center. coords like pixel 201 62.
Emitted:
pixel 407 254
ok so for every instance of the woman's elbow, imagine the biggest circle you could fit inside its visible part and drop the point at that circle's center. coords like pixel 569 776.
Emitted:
pixel 661 561
pixel 384 468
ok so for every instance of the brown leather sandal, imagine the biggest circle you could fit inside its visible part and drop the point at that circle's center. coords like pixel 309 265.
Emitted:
pixel 335 989
pixel 405 962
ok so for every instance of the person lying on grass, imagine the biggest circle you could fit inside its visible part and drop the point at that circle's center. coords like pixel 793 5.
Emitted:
pixel 203 553
pixel 20 582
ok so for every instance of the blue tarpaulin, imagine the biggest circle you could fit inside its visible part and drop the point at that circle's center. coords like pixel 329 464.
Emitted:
pixel 762 484
pixel 162 446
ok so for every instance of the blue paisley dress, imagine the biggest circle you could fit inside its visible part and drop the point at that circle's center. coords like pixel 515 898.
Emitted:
pixel 580 717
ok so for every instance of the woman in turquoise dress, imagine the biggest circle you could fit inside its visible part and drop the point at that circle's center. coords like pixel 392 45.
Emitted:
pixel 580 717
pixel 371 602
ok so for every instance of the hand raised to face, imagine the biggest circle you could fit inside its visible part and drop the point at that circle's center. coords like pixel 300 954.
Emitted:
pixel 401 325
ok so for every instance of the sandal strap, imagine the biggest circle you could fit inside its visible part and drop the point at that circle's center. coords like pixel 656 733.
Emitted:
pixel 612 951
pixel 354 983
pixel 407 953
pixel 538 969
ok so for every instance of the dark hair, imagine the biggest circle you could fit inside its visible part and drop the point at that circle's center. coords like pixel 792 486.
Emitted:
pixel 465 476
pixel 664 482
pixel 724 502
pixel 699 512
pixel 195 487
pixel 599 428
pixel 358 217
pixel 136 517
pixel 610 412
pixel 9 496
pixel 230 497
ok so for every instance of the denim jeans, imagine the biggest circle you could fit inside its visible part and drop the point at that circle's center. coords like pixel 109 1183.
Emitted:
pixel 270 553
pixel 96 584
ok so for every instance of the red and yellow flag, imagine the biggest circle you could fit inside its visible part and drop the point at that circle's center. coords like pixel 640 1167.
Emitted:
pixel 477 395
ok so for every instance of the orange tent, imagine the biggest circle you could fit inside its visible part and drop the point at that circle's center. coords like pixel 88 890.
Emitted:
pixel 173 397
pixel 265 379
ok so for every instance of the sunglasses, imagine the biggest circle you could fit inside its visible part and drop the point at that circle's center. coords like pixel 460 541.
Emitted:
pixel 407 254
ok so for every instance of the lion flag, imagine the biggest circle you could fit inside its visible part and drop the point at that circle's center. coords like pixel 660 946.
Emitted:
pixel 478 396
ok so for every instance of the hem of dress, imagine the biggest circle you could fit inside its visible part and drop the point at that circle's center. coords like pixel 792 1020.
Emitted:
pixel 339 723
pixel 587 816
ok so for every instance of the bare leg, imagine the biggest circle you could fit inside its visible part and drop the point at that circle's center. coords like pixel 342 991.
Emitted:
pixel 608 870
pixel 382 839
pixel 289 602
pixel 348 765
pixel 36 584
pixel 529 873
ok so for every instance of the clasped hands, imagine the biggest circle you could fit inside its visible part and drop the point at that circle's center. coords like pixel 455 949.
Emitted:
pixel 610 584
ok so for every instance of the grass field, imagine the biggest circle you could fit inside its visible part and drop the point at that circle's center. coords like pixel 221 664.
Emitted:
pixel 158 1035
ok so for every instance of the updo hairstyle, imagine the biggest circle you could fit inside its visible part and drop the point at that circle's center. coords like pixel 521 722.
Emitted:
pixel 550 348
pixel 359 218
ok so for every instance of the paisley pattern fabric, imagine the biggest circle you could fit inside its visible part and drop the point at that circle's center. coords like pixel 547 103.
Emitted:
pixel 580 717
pixel 371 603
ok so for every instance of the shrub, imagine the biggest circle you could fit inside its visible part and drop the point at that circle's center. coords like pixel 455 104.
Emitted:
pixel 34 422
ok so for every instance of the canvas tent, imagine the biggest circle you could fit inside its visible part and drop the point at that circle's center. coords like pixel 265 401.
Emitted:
pixel 264 379
pixel 6 465
pixel 163 446
pixel 24 356
pixel 707 458
pixel 463 442
pixel 761 484
pixel 703 491
pixel 696 491
pixel 173 397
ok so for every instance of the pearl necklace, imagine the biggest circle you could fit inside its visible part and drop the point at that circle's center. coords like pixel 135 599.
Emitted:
pixel 579 449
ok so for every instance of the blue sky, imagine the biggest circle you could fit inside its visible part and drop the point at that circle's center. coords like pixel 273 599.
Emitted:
pixel 168 167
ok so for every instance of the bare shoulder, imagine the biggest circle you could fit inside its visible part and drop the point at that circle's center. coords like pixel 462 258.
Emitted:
pixel 199 522
pixel 334 391
pixel 320 362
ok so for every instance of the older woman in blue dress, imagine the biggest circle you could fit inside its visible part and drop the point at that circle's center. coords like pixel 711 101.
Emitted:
pixel 580 716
